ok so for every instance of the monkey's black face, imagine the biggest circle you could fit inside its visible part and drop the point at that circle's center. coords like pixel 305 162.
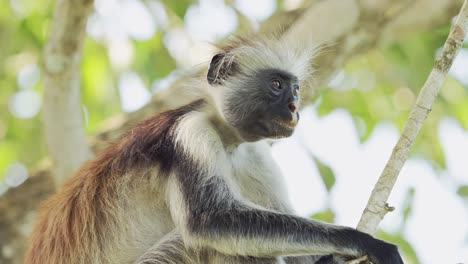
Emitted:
pixel 264 105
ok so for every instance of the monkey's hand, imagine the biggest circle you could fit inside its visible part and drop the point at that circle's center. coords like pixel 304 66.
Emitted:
pixel 381 252
pixel 387 253
pixel 378 252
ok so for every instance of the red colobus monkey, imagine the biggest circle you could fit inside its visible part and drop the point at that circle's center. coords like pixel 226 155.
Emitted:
pixel 198 185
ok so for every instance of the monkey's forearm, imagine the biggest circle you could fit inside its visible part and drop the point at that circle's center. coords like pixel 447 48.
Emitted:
pixel 247 231
pixel 210 216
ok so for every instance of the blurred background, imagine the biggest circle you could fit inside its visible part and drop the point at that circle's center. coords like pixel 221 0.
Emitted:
pixel 368 76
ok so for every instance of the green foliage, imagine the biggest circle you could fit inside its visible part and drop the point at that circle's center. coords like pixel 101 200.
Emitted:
pixel 327 216
pixel 383 85
pixel 463 191
pixel 23 38
pixel 99 93
pixel 178 7
pixel 152 58
pixel 328 177
pixel 454 99
pixel 407 207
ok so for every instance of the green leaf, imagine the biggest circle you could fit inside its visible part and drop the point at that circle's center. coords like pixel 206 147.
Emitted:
pixel 8 154
pixel 279 4
pixel 178 7
pixel 152 59
pixel 397 53
pixel 408 204
pixel 327 216
pixel 463 191
pixel 328 177
pixel 100 94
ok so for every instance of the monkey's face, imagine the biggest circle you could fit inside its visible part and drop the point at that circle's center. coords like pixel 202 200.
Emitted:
pixel 263 105
pixel 257 99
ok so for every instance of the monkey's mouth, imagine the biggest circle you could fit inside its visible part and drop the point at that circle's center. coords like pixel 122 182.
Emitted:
pixel 273 128
pixel 286 125
pixel 281 129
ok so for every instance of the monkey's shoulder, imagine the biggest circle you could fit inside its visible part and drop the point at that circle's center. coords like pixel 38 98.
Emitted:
pixel 152 141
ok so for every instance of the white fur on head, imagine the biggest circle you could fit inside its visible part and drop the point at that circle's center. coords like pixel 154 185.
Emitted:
pixel 251 55
pixel 244 57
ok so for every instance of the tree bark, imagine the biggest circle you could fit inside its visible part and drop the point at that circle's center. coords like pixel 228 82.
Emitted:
pixel 367 31
pixel 63 120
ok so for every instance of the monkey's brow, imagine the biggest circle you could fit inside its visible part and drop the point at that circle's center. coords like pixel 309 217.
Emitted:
pixel 281 74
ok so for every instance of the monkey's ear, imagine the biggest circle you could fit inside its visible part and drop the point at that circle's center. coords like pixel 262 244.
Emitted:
pixel 221 67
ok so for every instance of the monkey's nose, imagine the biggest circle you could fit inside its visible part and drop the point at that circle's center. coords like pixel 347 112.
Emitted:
pixel 292 107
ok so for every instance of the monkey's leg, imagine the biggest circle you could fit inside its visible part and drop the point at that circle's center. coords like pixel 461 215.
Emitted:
pixel 315 259
pixel 170 250
pixel 245 260
pixel 219 258
pixel 302 260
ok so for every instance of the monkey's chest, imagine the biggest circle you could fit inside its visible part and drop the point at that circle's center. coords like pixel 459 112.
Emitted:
pixel 260 182
pixel 260 193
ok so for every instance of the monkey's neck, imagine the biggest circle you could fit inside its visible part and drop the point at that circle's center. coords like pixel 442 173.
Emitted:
pixel 228 134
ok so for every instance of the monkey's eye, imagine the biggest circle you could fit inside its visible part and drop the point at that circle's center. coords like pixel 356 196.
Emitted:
pixel 276 84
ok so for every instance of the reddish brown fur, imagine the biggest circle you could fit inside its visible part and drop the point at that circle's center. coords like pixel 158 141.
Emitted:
pixel 73 223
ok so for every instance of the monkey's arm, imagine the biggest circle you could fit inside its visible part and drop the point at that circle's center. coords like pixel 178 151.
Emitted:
pixel 210 215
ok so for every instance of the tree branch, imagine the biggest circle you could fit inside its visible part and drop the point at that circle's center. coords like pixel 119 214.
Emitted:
pixel 63 121
pixel 377 206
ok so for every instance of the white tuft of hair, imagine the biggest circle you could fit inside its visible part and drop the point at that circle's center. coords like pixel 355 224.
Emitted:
pixel 267 53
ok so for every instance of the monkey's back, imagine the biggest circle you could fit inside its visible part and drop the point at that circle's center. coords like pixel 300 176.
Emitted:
pixel 92 222
pixel 92 219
